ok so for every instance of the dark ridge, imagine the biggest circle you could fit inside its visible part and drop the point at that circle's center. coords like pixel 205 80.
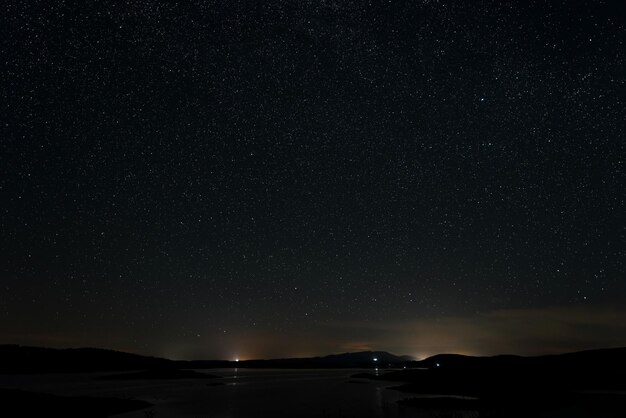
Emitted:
pixel 591 359
pixel 365 359
pixel 593 364
pixel 503 377
pixel 24 359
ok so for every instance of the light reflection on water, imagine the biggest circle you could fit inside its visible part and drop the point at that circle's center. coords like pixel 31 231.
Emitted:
pixel 245 393
pixel 240 393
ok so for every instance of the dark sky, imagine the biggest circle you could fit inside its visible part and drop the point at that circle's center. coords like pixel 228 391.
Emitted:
pixel 221 179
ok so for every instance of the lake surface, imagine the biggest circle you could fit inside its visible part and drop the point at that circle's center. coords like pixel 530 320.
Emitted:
pixel 240 393
pixel 261 393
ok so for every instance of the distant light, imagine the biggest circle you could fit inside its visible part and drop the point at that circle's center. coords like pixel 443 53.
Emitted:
pixel 236 359
pixel 375 358
pixel 437 364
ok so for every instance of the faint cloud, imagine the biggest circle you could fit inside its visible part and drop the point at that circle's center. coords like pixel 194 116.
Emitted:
pixel 357 346
pixel 517 331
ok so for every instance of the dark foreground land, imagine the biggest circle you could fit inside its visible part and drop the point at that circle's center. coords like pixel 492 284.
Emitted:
pixel 21 403
pixel 593 382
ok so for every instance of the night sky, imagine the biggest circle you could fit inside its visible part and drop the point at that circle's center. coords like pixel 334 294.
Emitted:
pixel 223 179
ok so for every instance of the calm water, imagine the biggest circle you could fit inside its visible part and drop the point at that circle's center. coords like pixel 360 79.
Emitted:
pixel 260 393
pixel 241 393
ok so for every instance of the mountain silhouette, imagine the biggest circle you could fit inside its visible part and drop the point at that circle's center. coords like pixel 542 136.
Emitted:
pixel 366 359
pixel 503 378
pixel 25 359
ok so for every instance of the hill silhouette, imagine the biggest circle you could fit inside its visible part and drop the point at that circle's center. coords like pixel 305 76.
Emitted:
pixel 25 359
pixel 606 358
pixel 599 364
pixel 499 382
pixel 345 360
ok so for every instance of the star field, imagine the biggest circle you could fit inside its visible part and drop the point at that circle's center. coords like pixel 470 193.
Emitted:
pixel 197 178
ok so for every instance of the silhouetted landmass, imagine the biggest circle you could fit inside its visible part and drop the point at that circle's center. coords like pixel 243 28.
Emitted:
pixel 160 374
pixel 20 403
pixel 346 360
pixel 601 359
pixel 24 359
pixel 593 369
pixel 596 369
pixel 498 382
